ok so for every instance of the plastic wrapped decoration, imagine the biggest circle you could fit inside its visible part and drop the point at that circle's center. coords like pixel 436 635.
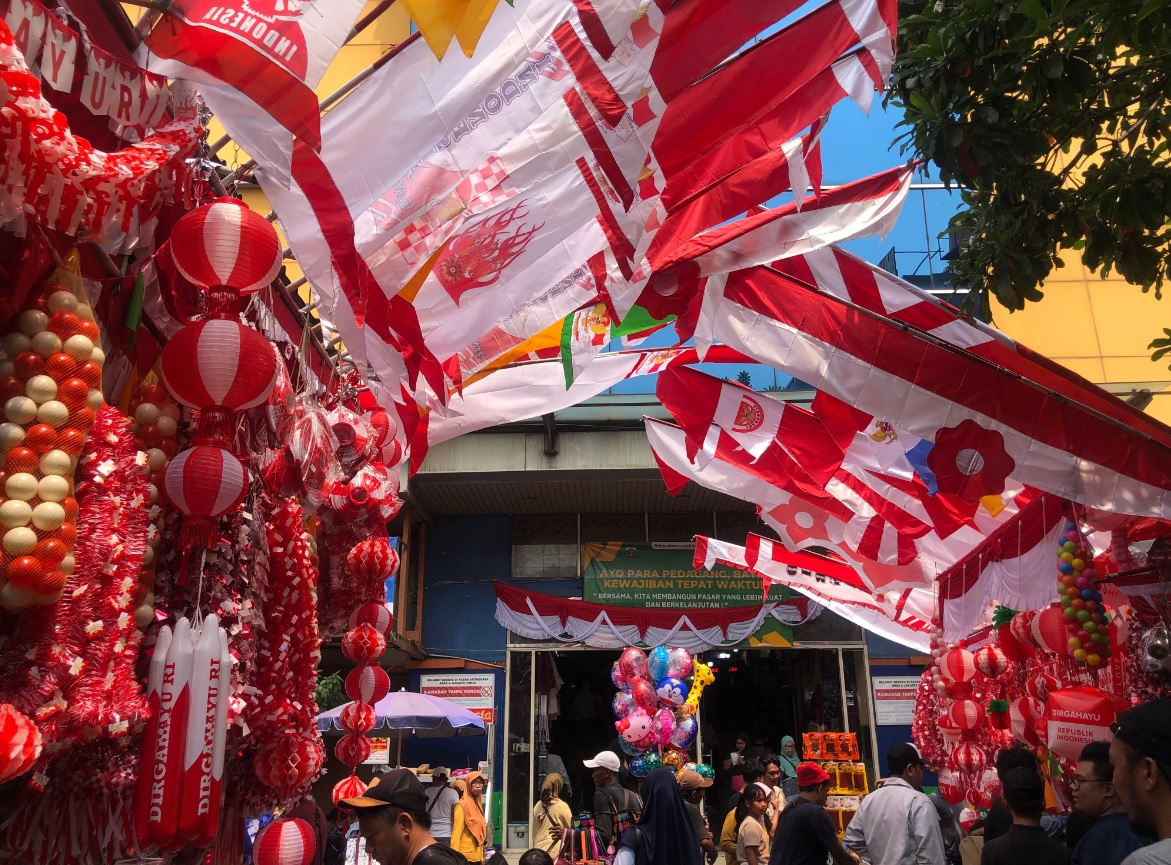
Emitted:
pixel 50 379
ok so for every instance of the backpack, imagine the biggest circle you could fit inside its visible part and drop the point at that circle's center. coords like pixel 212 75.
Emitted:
pixel 623 819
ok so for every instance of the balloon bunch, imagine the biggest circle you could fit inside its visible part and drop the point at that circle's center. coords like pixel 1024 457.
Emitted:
pixel 50 375
pixel 154 422
pixel 1088 640
pixel 655 705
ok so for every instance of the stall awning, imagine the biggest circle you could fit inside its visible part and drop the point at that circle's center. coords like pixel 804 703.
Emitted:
pixel 546 617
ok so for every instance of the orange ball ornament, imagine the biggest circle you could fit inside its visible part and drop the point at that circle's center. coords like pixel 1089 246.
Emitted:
pixel 21 459
pixel 50 552
pixel 66 533
pixel 40 438
pixel 64 324
pixel 49 585
pixel 71 441
pixel 81 418
pixel 90 373
pixel 60 366
pixel 69 505
pixel 89 330
pixel 10 386
pixel 73 392
pixel 28 364
pixel 24 571
pixel 152 393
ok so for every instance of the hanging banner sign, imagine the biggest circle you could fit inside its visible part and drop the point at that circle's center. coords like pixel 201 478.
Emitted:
pixel 473 691
pixel 379 753
pixel 894 699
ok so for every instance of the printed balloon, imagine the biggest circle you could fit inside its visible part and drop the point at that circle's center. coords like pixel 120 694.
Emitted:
pixel 679 665
pixel 671 691
pixel 686 729
pixel 644 695
pixel 633 664
pixel 622 704
pixel 620 681
pixel 664 726
pixel 658 663
pixel 635 726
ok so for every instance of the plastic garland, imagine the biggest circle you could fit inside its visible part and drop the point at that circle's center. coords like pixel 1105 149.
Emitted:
pixel 59 179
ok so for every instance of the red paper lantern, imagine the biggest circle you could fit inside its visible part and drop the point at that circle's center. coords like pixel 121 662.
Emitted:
pixel 20 743
pixel 367 684
pixel 1049 631
pixel 352 749
pixel 372 560
pixel 363 644
pixel 285 763
pixel 348 788
pixel 991 661
pixel 358 718
pixel 219 362
pixel 285 842
pixel 204 483
pixel 967 759
pixel 226 244
pixel 382 423
pixel 1019 627
pixel 958 666
pixel 378 615
pixel 948 728
pixel 966 714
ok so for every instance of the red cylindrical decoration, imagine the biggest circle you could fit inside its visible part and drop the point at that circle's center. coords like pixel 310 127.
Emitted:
pixel 352 749
pixel 285 842
pixel 286 762
pixel 225 243
pixel 363 644
pixel 378 615
pixel 358 718
pixel 204 483
pixel 367 684
pixel 219 362
pixel 966 714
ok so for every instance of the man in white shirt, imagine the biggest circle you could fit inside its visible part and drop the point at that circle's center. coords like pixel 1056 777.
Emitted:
pixel 897 824
pixel 440 800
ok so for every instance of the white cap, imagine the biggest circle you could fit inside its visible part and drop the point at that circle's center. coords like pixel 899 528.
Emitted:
pixel 440 770
pixel 604 760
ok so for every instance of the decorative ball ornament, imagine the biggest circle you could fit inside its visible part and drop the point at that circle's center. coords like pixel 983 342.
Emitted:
pixel 374 614
pixel 225 243
pixel 367 684
pixel 204 483
pixel 966 714
pixel 967 759
pixel 352 749
pixel 991 661
pixel 348 788
pixel 948 728
pixel 1156 648
pixel 358 718
pixel 363 644
pixel 958 666
pixel 285 842
pixel 950 787
pixel 1020 628
pixel 219 362
pixel 1048 631
pixel 287 762
pixel 20 743
pixel 372 560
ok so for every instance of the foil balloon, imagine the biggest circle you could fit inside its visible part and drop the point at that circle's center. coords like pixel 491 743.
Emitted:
pixel 633 664
pixel 706 771
pixel 674 759
pixel 620 681
pixel 671 691
pixel 642 766
pixel 644 695
pixel 685 731
pixel 633 749
pixel 679 664
pixel 664 726
pixel 634 726
pixel 622 704
pixel 659 663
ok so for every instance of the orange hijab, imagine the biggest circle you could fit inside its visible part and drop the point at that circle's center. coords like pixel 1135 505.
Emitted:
pixel 473 812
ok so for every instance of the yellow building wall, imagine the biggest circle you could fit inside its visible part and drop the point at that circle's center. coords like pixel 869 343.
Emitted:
pixel 1099 328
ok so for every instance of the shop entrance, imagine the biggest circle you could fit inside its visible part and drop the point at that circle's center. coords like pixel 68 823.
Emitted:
pixel 763 693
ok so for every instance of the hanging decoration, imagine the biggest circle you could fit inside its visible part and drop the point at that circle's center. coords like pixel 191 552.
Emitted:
pixel 285 842
pixel 50 377
pixel 59 180
pixel 1085 624
pixel 20 743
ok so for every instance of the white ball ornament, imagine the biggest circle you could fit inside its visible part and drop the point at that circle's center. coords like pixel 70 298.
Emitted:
pixel 16 343
pixel 46 343
pixel 21 486
pixel 152 493
pixel 143 616
pixel 168 426
pixel 14 598
pixel 56 462
pixel 48 516
pixel 157 459
pixel 52 488
pixel 20 409
pixel 19 541
pixel 95 400
pixel 7 368
pixel 62 301
pixel 169 410
pixel 32 322
pixel 11 435
pixel 148 412
pixel 54 413
pixel 67 564
pixel 40 388
pixel 148 556
pixel 78 347
pixel 98 356
pixel 14 513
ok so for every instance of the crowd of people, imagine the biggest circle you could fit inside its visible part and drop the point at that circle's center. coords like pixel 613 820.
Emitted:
pixel 1121 790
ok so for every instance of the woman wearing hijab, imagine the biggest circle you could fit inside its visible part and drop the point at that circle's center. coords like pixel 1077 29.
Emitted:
pixel 469 829
pixel 551 816
pixel 664 834
pixel 788 758
pixel 734 764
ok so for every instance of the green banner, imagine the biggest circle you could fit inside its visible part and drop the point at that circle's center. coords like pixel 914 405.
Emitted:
pixel 661 576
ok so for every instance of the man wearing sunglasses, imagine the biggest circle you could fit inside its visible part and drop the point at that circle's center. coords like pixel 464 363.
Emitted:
pixel 1141 754
pixel 1110 838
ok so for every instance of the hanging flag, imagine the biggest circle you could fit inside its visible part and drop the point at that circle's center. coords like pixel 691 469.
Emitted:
pixel 980 424
pixel 437 20
pixel 273 51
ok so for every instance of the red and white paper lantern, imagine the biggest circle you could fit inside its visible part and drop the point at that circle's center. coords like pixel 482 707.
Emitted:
pixel 225 243
pixel 967 759
pixel 348 788
pixel 352 749
pixel 219 362
pixel 966 714
pixel 1049 631
pixel 285 842
pixel 363 644
pixel 204 483
pixel 358 718
pixel 958 666
pixel 375 614
pixel 367 684
pixel 991 661
pixel 20 743
pixel 286 762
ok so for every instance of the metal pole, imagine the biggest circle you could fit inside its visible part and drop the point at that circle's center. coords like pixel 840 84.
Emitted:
pixel 842 685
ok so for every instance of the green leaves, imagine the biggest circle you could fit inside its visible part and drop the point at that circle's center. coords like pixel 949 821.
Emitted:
pixel 1052 117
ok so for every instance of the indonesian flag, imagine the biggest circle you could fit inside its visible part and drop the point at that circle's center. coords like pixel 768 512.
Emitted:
pixel 273 51
pixel 978 423
pixel 903 616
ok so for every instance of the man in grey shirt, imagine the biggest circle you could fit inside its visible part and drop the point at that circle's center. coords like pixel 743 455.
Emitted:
pixel 897 824
pixel 440 800
pixel 1141 754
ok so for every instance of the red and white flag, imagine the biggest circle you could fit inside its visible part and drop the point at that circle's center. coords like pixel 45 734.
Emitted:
pixel 979 424
pixel 273 51
pixel 903 616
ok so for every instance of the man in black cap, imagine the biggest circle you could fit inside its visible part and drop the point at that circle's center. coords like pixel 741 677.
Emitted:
pixel 1141 754
pixel 897 824
pixel 394 823
pixel 1026 841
